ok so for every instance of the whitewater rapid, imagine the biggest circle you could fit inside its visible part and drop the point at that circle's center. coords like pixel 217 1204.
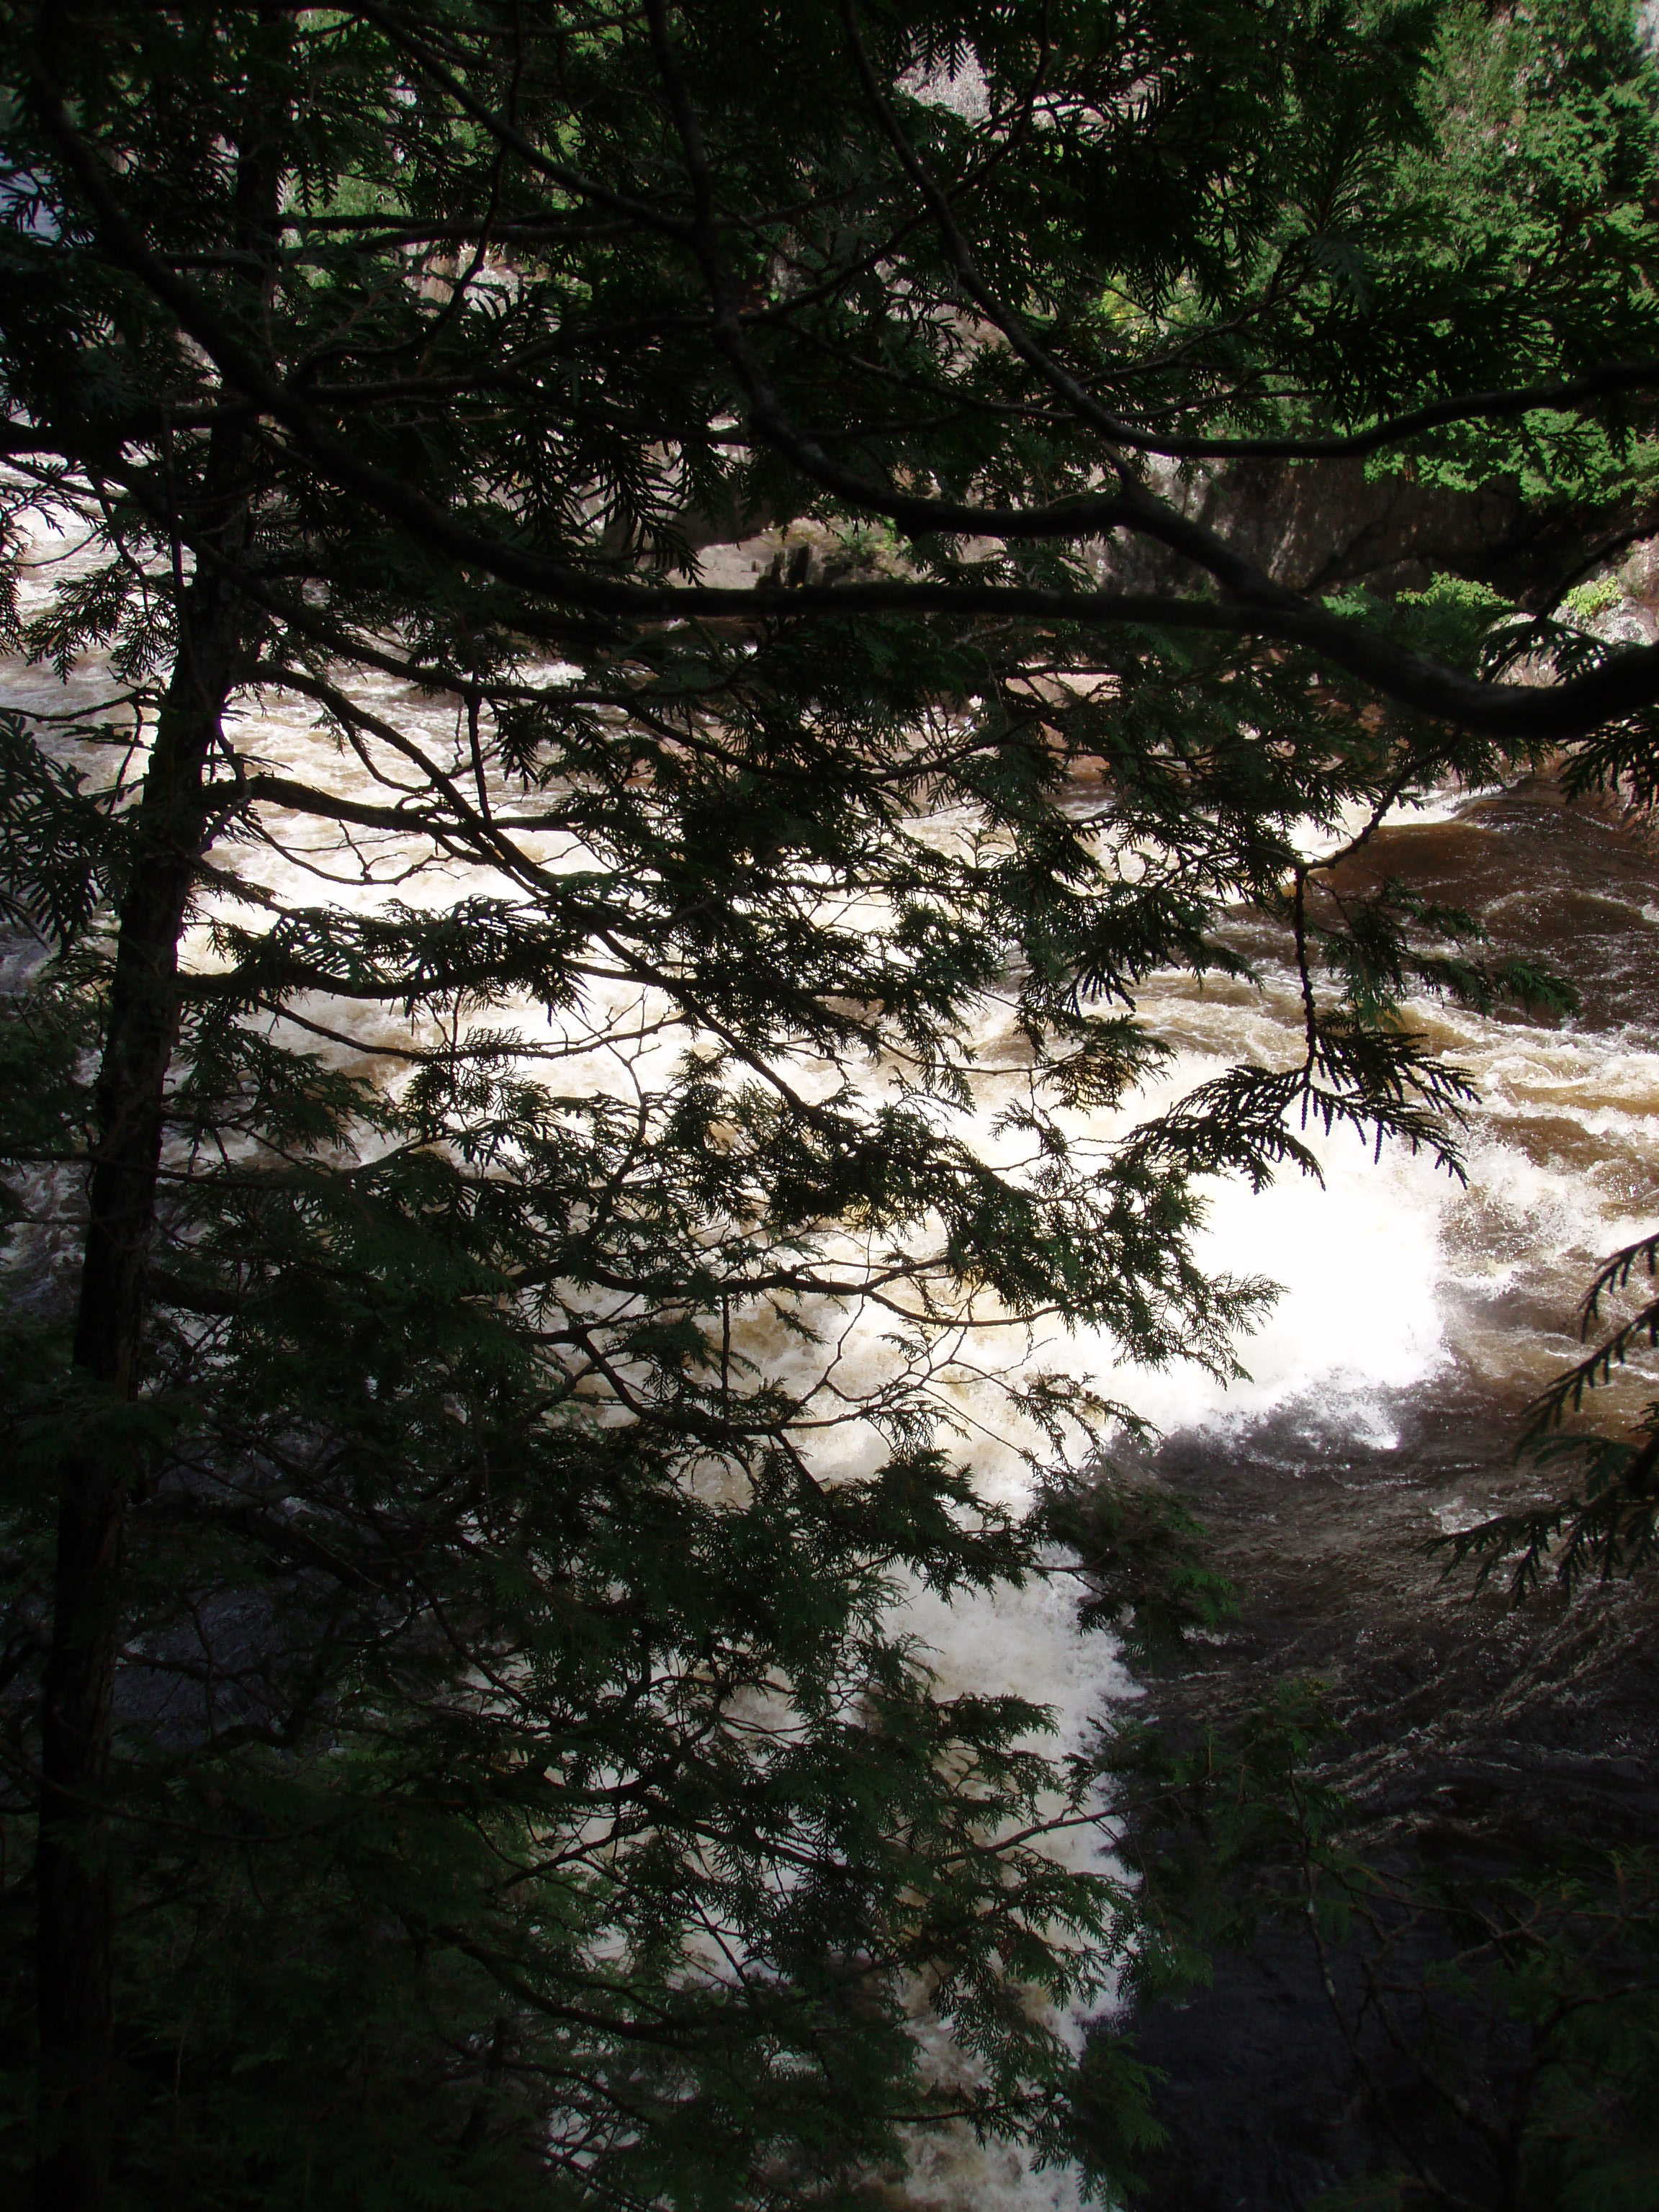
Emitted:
pixel 1393 1275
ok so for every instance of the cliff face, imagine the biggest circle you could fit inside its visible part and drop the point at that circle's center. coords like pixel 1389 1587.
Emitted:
pixel 1313 526
pixel 1316 525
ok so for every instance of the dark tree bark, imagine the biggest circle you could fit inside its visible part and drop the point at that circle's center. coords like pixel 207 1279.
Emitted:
pixel 76 1904
pixel 73 1870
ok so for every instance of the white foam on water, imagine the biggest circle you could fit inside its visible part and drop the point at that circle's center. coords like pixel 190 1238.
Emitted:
pixel 953 2173
pixel 1313 840
pixel 1381 1269
pixel 1358 1262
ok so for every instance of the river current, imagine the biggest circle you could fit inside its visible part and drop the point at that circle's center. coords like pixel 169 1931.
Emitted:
pixel 1417 1315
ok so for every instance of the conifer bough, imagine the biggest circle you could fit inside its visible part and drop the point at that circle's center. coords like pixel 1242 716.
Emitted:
pixel 451 1658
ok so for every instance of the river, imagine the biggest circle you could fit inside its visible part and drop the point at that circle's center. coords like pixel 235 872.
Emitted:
pixel 1388 1388
pixel 1417 1316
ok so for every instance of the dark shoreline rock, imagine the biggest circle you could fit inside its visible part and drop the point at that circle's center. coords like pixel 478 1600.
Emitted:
pixel 1474 1737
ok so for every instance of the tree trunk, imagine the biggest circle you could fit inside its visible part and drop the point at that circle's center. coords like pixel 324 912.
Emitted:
pixel 73 1940
pixel 75 1922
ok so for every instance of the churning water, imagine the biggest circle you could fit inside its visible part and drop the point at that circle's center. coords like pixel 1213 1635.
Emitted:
pixel 1417 1315
pixel 1399 1284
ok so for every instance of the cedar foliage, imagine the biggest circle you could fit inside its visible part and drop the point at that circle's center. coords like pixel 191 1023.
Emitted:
pixel 479 1760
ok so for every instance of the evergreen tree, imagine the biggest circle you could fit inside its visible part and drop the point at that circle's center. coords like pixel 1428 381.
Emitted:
pixel 451 1653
